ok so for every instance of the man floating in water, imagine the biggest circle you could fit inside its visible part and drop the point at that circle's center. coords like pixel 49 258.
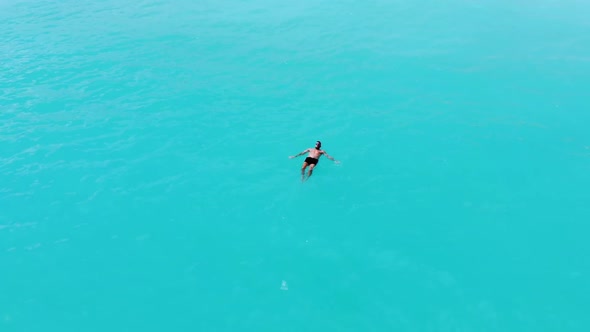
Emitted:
pixel 312 159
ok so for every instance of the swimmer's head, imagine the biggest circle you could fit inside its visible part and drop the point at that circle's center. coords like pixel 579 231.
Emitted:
pixel 318 144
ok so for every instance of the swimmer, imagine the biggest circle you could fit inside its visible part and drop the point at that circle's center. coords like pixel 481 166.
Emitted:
pixel 312 159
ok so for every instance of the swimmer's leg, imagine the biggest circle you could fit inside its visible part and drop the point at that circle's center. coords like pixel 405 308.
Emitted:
pixel 311 167
pixel 303 167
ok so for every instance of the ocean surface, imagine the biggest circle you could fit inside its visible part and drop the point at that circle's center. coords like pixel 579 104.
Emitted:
pixel 146 185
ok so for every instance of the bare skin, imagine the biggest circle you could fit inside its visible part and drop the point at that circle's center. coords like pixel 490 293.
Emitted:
pixel 315 153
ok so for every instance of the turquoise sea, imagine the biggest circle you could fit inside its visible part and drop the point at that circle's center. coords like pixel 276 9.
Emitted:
pixel 145 183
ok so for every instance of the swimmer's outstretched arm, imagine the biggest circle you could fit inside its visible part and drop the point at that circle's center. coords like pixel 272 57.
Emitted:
pixel 300 154
pixel 330 157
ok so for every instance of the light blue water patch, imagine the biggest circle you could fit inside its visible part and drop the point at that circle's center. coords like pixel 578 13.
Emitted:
pixel 146 185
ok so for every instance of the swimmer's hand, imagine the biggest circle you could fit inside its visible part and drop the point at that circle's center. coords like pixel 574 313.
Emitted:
pixel 336 161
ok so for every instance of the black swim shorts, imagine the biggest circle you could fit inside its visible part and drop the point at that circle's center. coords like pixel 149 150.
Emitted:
pixel 311 160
